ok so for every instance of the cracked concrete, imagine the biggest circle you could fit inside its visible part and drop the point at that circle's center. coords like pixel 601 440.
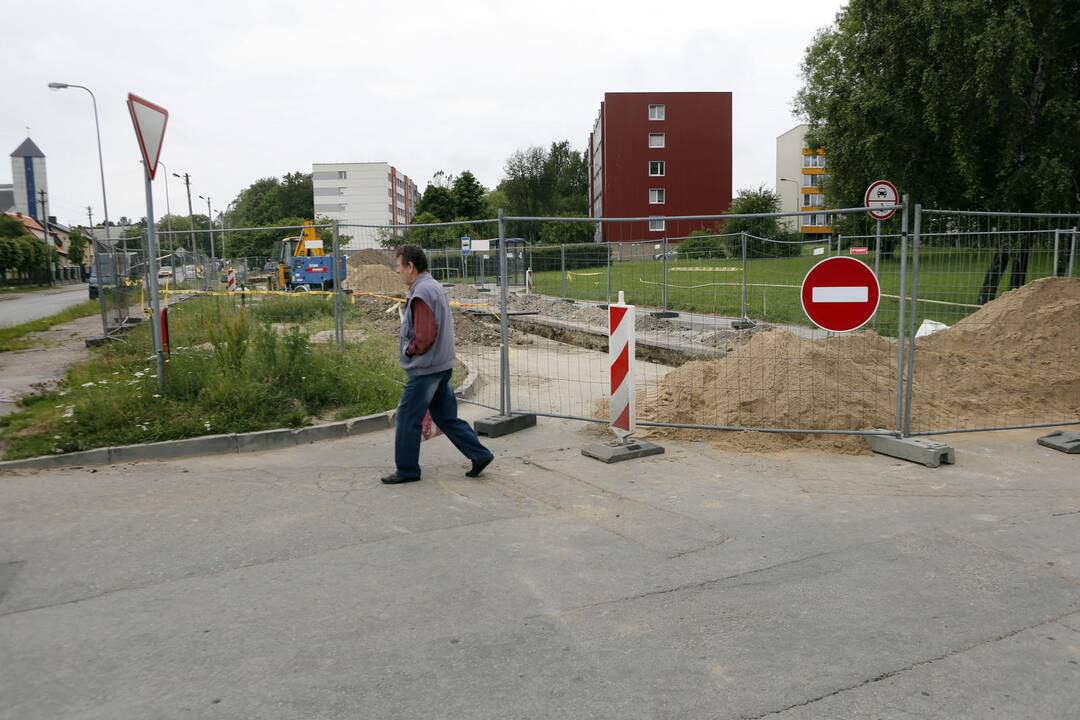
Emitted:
pixel 700 583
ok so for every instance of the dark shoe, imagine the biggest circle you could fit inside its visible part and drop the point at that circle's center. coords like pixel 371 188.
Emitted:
pixel 478 466
pixel 395 479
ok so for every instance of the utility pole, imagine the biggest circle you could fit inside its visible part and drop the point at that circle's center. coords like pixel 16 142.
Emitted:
pixel 45 224
pixel 210 223
pixel 191 219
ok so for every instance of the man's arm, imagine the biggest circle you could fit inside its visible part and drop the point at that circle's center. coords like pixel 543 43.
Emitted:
pixel 424 328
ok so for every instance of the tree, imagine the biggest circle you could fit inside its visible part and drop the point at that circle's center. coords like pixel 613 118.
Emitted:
pixel 552 182
pixel 964 104
pixel 468 196
pixel 437 202
pixel 76 247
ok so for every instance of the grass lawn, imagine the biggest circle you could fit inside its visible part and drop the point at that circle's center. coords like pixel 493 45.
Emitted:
pixel 949 284
pixel 14 337
pixel 230 371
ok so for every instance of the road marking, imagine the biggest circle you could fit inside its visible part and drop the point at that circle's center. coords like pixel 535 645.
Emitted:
pixel 840 294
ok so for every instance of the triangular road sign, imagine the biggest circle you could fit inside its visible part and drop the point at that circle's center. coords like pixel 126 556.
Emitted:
pixel 149 121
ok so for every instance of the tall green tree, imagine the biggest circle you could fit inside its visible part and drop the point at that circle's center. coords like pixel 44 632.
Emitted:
pixel 965 104
pixel 76 247
pixel 468 196
pixel 548 182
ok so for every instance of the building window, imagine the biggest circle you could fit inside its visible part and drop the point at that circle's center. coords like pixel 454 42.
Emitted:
pixel 657 112
pixel 656 140
pixel 813 200
pixel 341 191
pixel 656 168
pixel 342 175
pixel 656 196
pixel 656 226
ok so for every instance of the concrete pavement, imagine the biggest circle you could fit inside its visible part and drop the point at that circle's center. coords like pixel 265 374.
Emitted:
pixel 697 584
pixel 19 307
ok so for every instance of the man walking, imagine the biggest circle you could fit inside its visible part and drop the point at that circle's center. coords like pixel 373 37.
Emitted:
pixel 427 357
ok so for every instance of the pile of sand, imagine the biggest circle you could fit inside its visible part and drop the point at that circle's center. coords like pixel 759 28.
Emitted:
pixel 1016 360
pixel 378 279
pixel 370 256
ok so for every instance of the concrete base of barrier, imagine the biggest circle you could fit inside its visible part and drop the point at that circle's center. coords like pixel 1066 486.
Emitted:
pixel 930 453
pixel 615 451
pixel 1066 441
pixel 498 425
pixel 664 314
pixel 741 324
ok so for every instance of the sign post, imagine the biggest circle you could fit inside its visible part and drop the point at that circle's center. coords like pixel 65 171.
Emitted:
pixel 150 121
pixel 840 294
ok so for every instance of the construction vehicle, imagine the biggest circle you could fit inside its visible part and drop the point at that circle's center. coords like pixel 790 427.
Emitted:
pixel 302 264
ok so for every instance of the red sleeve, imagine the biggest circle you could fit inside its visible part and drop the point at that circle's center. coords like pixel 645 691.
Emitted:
pixel 423 328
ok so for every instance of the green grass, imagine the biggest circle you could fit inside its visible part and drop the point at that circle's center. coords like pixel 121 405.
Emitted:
pixel 229 372
pixel 14 337
pixel 949 284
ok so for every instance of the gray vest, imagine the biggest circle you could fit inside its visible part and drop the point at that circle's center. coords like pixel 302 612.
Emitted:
pixel 440 356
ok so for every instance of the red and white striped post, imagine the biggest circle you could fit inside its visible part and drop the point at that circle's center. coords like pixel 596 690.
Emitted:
pixel 230 284
pixel 621 368
pixel 528 282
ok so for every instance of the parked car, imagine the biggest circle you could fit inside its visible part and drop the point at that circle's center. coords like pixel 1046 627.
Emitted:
pixel 670 255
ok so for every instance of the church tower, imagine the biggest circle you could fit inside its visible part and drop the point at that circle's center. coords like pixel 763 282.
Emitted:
pixel 28 178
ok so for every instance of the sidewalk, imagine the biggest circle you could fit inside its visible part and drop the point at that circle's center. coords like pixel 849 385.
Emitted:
pixel 23 372
pixel 696 584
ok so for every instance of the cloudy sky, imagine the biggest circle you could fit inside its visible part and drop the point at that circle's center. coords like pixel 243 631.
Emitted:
pixel 261 88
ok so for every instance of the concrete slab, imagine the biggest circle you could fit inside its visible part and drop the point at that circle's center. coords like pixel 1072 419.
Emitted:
pixel 930 453
pixel 611 452
pixel 1067 441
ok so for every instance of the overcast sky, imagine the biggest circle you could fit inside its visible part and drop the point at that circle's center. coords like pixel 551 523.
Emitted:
pixel 261 88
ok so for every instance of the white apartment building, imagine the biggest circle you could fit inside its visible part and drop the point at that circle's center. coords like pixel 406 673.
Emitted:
pixel 800 174
pixel 367 193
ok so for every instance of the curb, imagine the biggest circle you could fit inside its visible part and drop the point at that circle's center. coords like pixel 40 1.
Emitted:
pixel 229 444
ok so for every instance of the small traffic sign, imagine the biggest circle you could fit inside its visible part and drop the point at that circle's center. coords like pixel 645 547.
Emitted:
pixel 840 294
pixel 466 244
pixel 858 251
pixel 881 192
pixel 149 121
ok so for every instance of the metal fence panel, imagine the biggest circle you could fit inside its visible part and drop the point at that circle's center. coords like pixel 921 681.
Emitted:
pixel 1003 286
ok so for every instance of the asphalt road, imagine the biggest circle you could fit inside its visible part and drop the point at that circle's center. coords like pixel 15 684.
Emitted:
pixel 17 308
pixel 696 584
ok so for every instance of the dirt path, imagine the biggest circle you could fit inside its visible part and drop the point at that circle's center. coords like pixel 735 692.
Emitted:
pixel 24 372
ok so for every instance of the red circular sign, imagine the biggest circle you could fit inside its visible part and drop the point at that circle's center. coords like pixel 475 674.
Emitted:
pixel 881 192
pixel 840 294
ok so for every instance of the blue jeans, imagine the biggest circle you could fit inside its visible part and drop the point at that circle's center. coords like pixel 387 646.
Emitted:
pixel 434 393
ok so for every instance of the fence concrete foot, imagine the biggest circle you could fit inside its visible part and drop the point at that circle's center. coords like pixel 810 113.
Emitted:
pixel 1066 441
pixel 743 324
pixel 615 451
pixel 664 314
pixel 498 425
pixel 930 453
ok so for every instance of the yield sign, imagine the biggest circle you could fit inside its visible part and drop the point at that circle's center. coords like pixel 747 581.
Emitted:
pixel 840 294
pixel 149 121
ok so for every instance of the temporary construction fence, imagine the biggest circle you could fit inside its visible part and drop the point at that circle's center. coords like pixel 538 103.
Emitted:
pixel 723 342
pixel 117 279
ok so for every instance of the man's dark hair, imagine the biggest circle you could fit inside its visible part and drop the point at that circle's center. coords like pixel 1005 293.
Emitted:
pixel 412 254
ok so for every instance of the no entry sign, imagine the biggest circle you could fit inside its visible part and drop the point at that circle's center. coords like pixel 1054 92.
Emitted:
pixel 840 294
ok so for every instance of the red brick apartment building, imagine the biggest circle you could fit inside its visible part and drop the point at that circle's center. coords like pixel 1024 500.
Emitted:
pixel 663 153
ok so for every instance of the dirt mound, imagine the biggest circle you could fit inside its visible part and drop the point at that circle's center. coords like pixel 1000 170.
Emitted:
pixel 370 256
pixel 1014 361
pixel 373 279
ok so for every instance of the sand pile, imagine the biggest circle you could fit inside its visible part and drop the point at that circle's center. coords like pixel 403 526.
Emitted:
pixel 373 279
pixel 370 256
pixel 1016 360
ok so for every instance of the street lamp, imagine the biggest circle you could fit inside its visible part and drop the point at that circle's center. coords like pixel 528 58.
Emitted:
pixel 101 164
pixel 796 198
pixel 210 222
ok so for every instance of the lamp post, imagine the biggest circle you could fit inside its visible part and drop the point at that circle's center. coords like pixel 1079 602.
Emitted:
pixel 191 219
pixel 210 222
pixel 101 164
pixel 168 208
pixel 796 198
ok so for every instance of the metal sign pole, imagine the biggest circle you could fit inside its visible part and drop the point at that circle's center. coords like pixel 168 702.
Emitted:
pixel 155 301
pixel 900 319
pixel 504 324
pixel 339 325
pixel 877 261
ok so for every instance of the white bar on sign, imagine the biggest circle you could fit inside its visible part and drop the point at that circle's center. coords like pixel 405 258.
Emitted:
pixel 840 294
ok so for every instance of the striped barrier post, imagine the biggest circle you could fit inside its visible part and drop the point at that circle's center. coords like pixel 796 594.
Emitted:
pixel 621 367
pixel 621 400
pixel 230 284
